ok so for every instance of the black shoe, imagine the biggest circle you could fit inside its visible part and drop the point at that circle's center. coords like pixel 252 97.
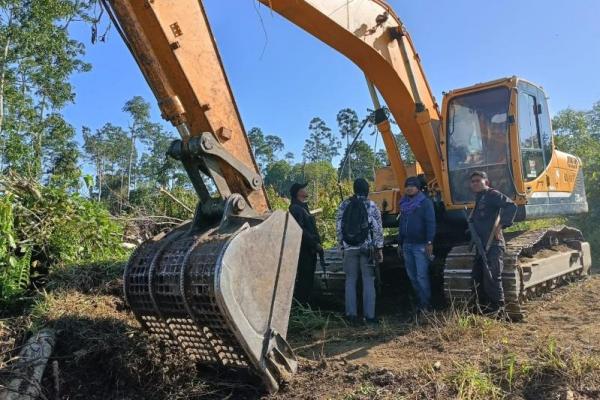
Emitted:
pixel 372 321
pixel 351 320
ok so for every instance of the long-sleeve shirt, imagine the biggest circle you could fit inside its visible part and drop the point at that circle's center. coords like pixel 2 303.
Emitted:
pixel 375 237
pixel 488 204
pixel 310 234
pixel 418 227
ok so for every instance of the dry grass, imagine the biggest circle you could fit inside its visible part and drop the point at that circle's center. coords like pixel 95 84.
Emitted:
pixel 103 354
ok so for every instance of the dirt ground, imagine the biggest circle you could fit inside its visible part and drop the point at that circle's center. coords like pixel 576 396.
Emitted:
pixel 554 354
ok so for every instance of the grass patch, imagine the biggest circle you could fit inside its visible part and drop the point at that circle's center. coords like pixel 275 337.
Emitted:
pixel 366 390
pixel 455 322
pixel 546 372
pixel 88 277
pixel 305 320
pixel 471 383
pixel 537 224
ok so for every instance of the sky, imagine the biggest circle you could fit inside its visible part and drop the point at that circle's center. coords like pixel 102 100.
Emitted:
pixel 282 77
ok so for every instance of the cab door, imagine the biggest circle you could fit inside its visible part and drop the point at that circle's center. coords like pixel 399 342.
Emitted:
pixel 533 161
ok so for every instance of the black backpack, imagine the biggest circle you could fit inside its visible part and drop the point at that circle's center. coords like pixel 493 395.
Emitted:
pixel 355 222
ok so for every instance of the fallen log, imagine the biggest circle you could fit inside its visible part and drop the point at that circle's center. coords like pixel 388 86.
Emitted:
pixel 28 370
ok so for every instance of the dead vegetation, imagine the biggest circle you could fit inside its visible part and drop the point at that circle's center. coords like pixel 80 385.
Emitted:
pixel 102 353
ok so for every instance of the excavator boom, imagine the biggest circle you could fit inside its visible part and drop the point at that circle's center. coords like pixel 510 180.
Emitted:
pixel 369 33
pixel 174 47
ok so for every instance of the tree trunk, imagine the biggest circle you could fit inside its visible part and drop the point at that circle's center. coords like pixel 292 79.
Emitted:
pixel 100 173
pixel 3 73
pixel 348 155
pixel 38 143
pixel 131 151
pixel 29 370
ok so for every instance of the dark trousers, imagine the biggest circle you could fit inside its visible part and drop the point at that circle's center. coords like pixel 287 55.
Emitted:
pixel 305 277
pixel 488 284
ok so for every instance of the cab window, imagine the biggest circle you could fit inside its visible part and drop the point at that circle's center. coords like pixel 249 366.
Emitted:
pixel 532 153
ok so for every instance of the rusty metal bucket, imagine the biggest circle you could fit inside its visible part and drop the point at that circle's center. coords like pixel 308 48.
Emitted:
pixel 222 294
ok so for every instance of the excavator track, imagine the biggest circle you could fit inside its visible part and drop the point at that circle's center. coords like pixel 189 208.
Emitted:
pixel 534 262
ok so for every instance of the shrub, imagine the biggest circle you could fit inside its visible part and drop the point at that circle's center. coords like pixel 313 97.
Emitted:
pixel 14 260
pixel 42 227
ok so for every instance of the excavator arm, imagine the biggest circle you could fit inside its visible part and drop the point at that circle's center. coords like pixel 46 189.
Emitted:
pixel 370 34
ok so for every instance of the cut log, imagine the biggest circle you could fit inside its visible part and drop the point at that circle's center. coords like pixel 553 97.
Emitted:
pixel 28 370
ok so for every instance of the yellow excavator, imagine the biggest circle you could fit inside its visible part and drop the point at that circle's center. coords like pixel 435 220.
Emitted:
pixel 220 286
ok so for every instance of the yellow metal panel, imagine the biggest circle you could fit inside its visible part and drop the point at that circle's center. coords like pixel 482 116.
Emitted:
pixel 387 201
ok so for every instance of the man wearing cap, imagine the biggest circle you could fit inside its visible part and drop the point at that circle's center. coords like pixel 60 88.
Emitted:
pixel 415 239
pixel 493 212
pixel 357 254
pixel 311 242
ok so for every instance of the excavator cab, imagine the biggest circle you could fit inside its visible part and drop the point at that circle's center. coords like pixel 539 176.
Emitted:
pixel 478 139
pixel 503 128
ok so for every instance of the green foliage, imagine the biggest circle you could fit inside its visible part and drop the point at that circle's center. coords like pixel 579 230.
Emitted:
pixel 473 384
pixel 150 201
pixel 37 58
pixel 14 260
pixel 578 133
pixel 537 224
pixel 280 176
pixel 326 198
pixel 361 163
pixel 265 148
pixel 321 145
pixel 304 320
pixel 61 227
pixel 277 202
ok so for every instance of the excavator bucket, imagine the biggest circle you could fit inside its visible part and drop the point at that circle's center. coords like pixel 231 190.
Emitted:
pixel 222 294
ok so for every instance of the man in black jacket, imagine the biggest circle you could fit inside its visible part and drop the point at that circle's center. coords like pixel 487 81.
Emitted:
pixel 489 205
pixel 311 242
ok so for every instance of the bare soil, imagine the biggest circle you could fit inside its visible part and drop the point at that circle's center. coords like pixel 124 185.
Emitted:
pixel 553 354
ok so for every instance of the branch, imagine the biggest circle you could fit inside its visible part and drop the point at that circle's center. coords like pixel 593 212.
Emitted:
pixel 176 200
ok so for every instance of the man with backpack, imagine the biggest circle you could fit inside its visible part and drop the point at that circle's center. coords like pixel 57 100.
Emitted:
pixel 416 232
pixel 311 242
pixel 360 236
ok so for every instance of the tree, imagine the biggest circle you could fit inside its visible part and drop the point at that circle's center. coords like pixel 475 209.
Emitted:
pixel 405 152
pixel 576 134
pixel 265 148
pixel 321 145
pixel 594 120
pixel 363 161
pixel 108 150
pixel 139 112
pixel 61 153
pixel 37 57
pixel 280 176
pixel 348 125
pixel 156 167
